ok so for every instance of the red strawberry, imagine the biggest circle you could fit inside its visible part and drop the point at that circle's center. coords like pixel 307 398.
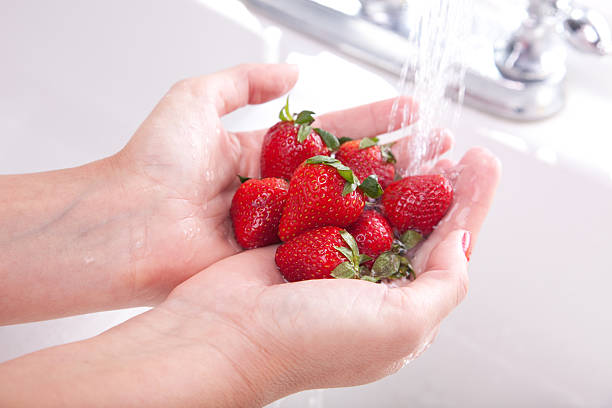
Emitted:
pixel 323 192
pixel 256 211
pixel 365 157
pixel 289 142
pixel 322 253
pixel 417 202
pixel 372 233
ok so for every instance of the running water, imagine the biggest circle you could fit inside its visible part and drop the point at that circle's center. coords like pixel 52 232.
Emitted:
pixel 432 74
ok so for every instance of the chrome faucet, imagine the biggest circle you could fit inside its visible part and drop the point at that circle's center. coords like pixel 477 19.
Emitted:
pixel 522 78
pixel 536 51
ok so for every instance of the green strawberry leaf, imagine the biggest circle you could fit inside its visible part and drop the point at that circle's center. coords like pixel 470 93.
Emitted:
pixel 352 182
pixel 344 171
pixel 411 238
pixel 371 187
pixel 348 188
pixel 303 133
pixel 386 265
pixel 305 117
pixel 405 269
pixel 285 114
pixel 398 247
pixel 346 252
pixel 370 278
pixel 405 262
pixel 348 238
pixel 344 271
pixel 243 179
pixel 347 174
pixel 363 258
pixel 321 160
pixel 343 140
pixel 329 139
pixel 387 155
pixel 364 271
pixel 368 142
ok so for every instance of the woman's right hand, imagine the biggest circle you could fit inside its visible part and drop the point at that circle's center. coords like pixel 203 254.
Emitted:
pixel 277 338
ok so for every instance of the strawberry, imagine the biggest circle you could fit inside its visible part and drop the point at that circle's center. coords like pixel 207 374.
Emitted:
pixel 291 141
pixel 324 192
pixel 417 202
pixel 366 157
pixel 256 210
pixel 322 253
pixel 372 233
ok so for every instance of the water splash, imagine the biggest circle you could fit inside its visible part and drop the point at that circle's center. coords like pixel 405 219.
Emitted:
pixel 432 74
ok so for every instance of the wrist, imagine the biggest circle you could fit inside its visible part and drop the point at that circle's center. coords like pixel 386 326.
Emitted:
pixel 203 361
pixel 133 202
pixel 233 366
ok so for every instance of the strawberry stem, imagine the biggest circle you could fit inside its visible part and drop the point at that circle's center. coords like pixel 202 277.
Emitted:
pixel 285 114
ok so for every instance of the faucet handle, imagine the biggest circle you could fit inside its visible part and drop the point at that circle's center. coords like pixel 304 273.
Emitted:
pixel 535 52
pixel 587 30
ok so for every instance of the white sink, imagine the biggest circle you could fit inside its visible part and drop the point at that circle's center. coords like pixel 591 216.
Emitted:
pixel 78 77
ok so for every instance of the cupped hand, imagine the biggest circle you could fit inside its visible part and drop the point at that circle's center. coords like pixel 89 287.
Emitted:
pixel 280 338
pixel 183 164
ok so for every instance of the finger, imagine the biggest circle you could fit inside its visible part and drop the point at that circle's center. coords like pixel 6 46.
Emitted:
pixel 368 120
pixel 477 176
pixel 255 266
pixel 250 145
pixel 442 140
pixel 443 285
pixel 439 142
pixel 246 84
pixel 250 271
pixel 443 166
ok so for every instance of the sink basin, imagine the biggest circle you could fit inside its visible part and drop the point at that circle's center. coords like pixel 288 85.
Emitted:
pixel 535 330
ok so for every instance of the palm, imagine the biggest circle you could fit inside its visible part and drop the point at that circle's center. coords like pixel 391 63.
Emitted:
pixel 191 163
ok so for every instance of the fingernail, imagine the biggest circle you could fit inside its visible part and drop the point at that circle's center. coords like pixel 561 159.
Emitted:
pixel 466 244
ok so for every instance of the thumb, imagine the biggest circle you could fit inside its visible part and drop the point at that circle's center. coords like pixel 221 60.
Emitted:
pixel 444 282
pixel 249 84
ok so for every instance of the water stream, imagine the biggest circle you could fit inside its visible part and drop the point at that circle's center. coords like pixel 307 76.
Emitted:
pixel 432 74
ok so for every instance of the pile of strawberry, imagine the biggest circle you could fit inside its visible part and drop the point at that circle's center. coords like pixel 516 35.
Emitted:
pixel 341 214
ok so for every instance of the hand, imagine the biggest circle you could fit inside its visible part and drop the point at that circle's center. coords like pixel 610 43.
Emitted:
pixel 185 163
pixel 278 338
